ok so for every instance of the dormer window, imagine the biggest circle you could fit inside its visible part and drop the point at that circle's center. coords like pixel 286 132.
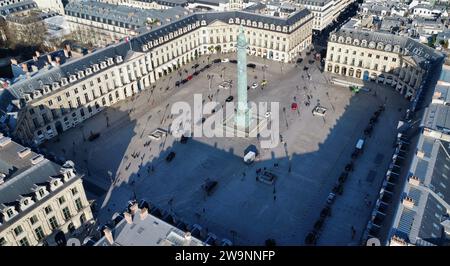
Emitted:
pixel 80 74
pixel 64 81
pixel 110 61
pixel 119 59
pixel 9 213
pixel 103 65
pixel 95 67
pixel 72 78
pixel 41 192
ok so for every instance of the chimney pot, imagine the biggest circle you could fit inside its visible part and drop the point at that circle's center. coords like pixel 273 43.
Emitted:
pixel 49 58
pixel 108 235
pixel 38 54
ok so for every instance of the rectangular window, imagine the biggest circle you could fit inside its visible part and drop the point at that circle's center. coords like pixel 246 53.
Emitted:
pixel 66 213
pixel 2 242
pixel 48 209
pixel 370 55
pixel 75 90
pixel 78 204
pixel 31 111
pixel 39 233
pixel 33 219
pixel 50 103
pixel 67 94
pixel 74 191
pixel 24 242
pixel 53 223
pixel 62 200
pixel 18 230
pixel 58 98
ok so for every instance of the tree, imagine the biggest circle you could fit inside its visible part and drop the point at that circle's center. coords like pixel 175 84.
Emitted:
pixel 211 48
pixel 218 48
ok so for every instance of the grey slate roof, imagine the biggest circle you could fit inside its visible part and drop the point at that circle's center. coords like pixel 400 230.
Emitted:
pixel 150 231
pixel 54 74
pixel 410 47
pixel 17 7
pixel 124 16
pixel 21 176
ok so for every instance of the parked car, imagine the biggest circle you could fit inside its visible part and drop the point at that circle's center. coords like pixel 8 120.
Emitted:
pixel 170 156
pixel 251 65
pixel 184 81
pixel 294 106
pixel 196 73
pixel 177 83
pixel 233 61
pixel 189 77
pixel 305 68
pixel 218 60
pixel 299 60
pixel 195 66
pixel 229 99
pixel 207 66
pixel 225 60
pixel 254 85
pixel 331 198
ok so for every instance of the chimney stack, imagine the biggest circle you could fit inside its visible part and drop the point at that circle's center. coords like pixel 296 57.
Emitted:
pixel 144 213
pixel 13 61
pixel 38 54
pixel 35 58
pixel 24 67
pixel 128 217
pixel 108 235
pixel 134 208
pixel 66 53
pixel 49 58
pixel 58 60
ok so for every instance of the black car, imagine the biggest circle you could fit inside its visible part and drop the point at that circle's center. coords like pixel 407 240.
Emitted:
pixel 195 66
pixel 229 99
pixel 299 60
pixel 170 157
pixel 184 81
pixel 196 73
pixel 305 68
pixel 207 66
pixel 233 61
pixel 218 60
pixel 177 83
pixel 311 61
pixel 251 65
pixel 203 120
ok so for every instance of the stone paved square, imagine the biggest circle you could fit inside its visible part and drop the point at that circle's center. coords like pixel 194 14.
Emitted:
pixel 124 162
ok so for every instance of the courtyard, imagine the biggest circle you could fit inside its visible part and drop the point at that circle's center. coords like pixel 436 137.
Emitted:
pixel 124 162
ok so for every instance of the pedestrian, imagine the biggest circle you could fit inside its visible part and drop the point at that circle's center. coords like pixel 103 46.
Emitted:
pixel 274 197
